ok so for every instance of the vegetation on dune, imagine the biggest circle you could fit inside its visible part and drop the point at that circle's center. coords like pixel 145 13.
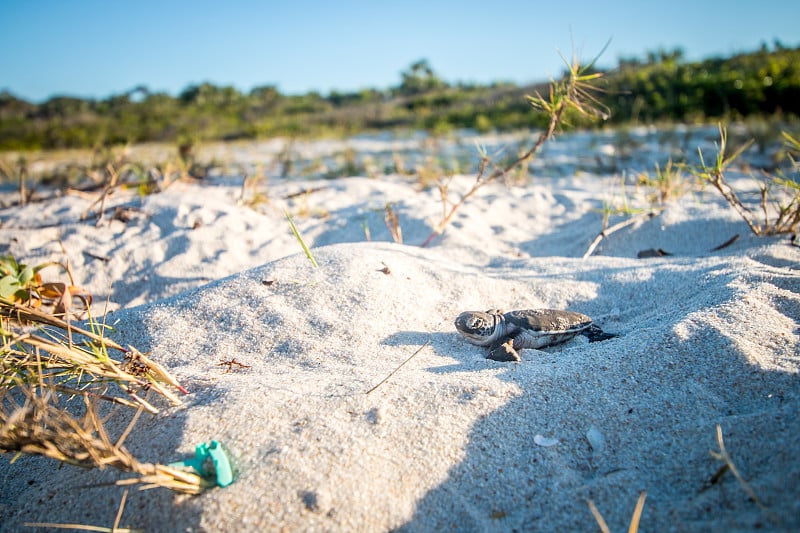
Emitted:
pixel 661 86
pixel 664 86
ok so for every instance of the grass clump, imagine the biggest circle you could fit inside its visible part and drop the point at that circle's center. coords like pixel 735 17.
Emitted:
pixel 619 203
pixel 576 93
pixel 42 350
pixel 778 209
pixel 665 184
pixel 45 360
pixel 39 425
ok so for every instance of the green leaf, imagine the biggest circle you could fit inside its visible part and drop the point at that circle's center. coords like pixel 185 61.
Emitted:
pixel 8 286
pixel 300 239
pixel 26 275
pixel 8 265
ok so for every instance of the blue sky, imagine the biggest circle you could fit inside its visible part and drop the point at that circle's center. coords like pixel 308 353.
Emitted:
pixel 96 48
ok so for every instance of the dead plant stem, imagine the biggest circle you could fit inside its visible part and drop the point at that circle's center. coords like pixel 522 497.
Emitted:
pixel 480 181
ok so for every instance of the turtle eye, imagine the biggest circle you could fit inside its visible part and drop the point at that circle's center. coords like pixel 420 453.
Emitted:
pixel 475 323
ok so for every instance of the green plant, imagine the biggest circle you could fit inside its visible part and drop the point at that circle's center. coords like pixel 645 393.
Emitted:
pixel 46 359
pixel 618 204
pixel 22 284
pixel 347 165
pixel 576 92
pixel 779 198
pixel 300 239
pixel 78 360
pixel 665 184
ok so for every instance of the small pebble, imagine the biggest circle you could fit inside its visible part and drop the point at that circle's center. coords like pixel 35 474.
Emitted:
pixel 318 502
pixel 544 441
pixel 596 439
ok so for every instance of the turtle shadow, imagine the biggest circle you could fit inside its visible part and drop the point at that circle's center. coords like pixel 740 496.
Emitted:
pixel 452 345
pixel 444 344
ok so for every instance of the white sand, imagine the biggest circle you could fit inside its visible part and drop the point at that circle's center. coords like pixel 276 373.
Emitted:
pixel 449 441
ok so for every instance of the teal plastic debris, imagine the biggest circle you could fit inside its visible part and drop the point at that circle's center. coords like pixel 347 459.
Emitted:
pixel 209 460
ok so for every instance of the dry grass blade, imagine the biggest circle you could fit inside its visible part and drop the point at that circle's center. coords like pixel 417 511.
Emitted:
pixel 21 361
pixel 392 220
pixel 83 527
pixel 393 372
pixel 724 456
pixel 23 314
pixel 601 522
pixel 637 513
pixel 27 333
pixel 633 527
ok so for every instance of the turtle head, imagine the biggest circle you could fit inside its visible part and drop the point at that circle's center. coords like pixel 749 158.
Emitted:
pixel 480 328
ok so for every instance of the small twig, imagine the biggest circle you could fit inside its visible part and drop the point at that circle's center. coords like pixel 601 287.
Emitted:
pixel 231 363
pixel 103 258
pixel 726 243
pixel 616 227
pixel 392 373
pixel 304 192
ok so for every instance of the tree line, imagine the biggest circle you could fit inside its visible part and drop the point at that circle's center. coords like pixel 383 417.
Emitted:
pixel 661 86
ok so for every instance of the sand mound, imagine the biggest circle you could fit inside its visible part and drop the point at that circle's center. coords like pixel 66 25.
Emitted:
pixel 449 440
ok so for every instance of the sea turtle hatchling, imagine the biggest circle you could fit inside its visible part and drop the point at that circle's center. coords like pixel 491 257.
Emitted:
pixel 505 333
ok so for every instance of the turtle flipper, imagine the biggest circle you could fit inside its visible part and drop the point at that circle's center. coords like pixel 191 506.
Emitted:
pixel 504 352
pixel 595 334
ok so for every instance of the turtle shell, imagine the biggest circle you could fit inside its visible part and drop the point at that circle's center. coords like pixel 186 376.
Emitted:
pixel 537 328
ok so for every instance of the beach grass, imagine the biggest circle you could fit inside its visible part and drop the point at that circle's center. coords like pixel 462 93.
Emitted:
pixel 778 210
pixel 46 360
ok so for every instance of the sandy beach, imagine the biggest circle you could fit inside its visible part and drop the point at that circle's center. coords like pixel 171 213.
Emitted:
pixel 451 441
